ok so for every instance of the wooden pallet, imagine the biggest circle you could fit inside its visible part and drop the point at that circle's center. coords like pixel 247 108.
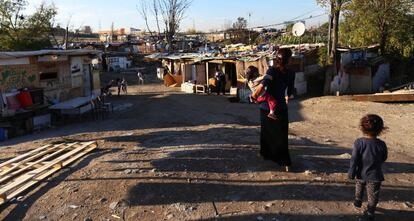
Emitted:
pixel 384 98
pixel 26 170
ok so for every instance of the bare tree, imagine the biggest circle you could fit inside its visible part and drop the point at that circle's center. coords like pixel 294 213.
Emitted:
pixel 156 12
pixel 143 10
pixel 173 12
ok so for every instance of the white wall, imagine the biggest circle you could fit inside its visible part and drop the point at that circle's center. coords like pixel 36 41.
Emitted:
pixel 15 61
pixel 118 62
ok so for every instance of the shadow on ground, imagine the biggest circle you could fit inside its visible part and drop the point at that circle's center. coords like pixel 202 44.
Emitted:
pixel 161 110
pixel 187 152
pixel 233 150
pixel 383 215
pixel 145 194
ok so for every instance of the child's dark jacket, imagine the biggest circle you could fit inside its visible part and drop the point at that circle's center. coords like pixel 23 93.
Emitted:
pixel 368 155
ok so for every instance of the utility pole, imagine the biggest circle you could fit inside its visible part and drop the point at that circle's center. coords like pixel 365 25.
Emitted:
pixel 112 32
pixel 66 38
pixel 194 27
pixel 250 38
pixel 66 42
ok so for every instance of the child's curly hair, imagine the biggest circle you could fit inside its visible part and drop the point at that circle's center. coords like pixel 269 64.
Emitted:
pixel 372 125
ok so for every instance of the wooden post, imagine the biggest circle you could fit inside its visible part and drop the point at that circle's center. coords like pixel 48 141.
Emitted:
pixel 66 38
pixel 207 73
pixel 329 36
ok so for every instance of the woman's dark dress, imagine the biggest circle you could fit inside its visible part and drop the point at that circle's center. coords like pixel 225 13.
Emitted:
pixel 274 133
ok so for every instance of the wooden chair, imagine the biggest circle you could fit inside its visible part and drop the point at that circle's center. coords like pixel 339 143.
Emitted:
pixel 98 111
pixel 108 105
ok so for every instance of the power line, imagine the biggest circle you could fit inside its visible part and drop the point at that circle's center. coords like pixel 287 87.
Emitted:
pixel 277 24
pixel 290 21
pixel 297 17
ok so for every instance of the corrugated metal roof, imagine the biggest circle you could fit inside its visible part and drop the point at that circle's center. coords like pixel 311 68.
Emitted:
pixel 20 54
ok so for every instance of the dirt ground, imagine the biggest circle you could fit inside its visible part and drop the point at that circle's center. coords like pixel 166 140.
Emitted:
pixel 165 155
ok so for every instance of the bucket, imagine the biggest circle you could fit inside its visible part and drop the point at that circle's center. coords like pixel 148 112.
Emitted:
pixel 3 134
pixel 25 99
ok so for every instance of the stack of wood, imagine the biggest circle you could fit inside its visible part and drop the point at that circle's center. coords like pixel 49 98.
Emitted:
pixel 20 173
pixel 403 93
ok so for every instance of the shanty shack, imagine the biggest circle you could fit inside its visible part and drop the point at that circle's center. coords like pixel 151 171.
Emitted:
pixel 31 80
pixel 118 61
pixel 61 74
pixel 194 72
pixel 361 71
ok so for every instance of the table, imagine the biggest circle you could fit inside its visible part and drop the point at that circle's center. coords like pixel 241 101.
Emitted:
pixel 74 106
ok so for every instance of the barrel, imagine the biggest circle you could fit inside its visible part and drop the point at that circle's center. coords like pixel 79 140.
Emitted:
pixel 3 134
pixel 25 99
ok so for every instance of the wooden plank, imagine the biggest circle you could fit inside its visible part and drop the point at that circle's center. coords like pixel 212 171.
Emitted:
pixel 86 151
pixel 20 157
pixel 25 181
pixel 35 172
pixel 29 165
pixel 27 185
pixel 50 172
pixel 57 153
pixel 401 86
pixel 30 158
pixel 32 164
pixel 386 98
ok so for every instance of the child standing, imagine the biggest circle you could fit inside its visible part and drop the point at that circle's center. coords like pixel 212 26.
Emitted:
pixel 368 155
pixel 124 86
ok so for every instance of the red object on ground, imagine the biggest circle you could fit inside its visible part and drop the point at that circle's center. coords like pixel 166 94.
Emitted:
pixel 25 99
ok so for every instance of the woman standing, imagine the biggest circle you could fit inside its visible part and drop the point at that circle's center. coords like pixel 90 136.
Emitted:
pixel 274 133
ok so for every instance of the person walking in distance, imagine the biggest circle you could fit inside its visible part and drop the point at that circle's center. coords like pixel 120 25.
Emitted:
pixel 119 85
pixel 221 82
pixel 140 78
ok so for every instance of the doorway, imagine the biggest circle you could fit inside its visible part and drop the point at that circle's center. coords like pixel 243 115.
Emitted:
pixel 87 80
pixel 231 73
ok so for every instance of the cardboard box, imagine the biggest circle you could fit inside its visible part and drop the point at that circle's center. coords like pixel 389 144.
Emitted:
pixel 188 88
pixel 42 121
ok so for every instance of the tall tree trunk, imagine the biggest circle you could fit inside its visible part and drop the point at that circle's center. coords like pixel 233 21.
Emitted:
pixel 384 38
pixel 335 34
pixel 171 32
pixel 66 38
pixel 331 17
pixel 156 8
pixel 333 43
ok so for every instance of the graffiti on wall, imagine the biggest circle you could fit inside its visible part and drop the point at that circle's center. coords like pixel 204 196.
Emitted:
pixel 10 79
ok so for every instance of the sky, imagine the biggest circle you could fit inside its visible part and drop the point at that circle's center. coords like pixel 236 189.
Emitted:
pixel 204 15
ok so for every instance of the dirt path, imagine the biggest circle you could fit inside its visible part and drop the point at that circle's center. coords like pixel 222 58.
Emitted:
pixel 165 155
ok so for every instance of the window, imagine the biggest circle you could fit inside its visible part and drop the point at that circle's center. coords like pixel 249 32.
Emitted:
pixel 48 76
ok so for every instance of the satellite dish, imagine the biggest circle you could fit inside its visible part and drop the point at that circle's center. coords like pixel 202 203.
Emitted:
pixel 298 29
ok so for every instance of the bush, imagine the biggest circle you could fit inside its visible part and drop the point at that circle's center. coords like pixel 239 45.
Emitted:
pixel 323 59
